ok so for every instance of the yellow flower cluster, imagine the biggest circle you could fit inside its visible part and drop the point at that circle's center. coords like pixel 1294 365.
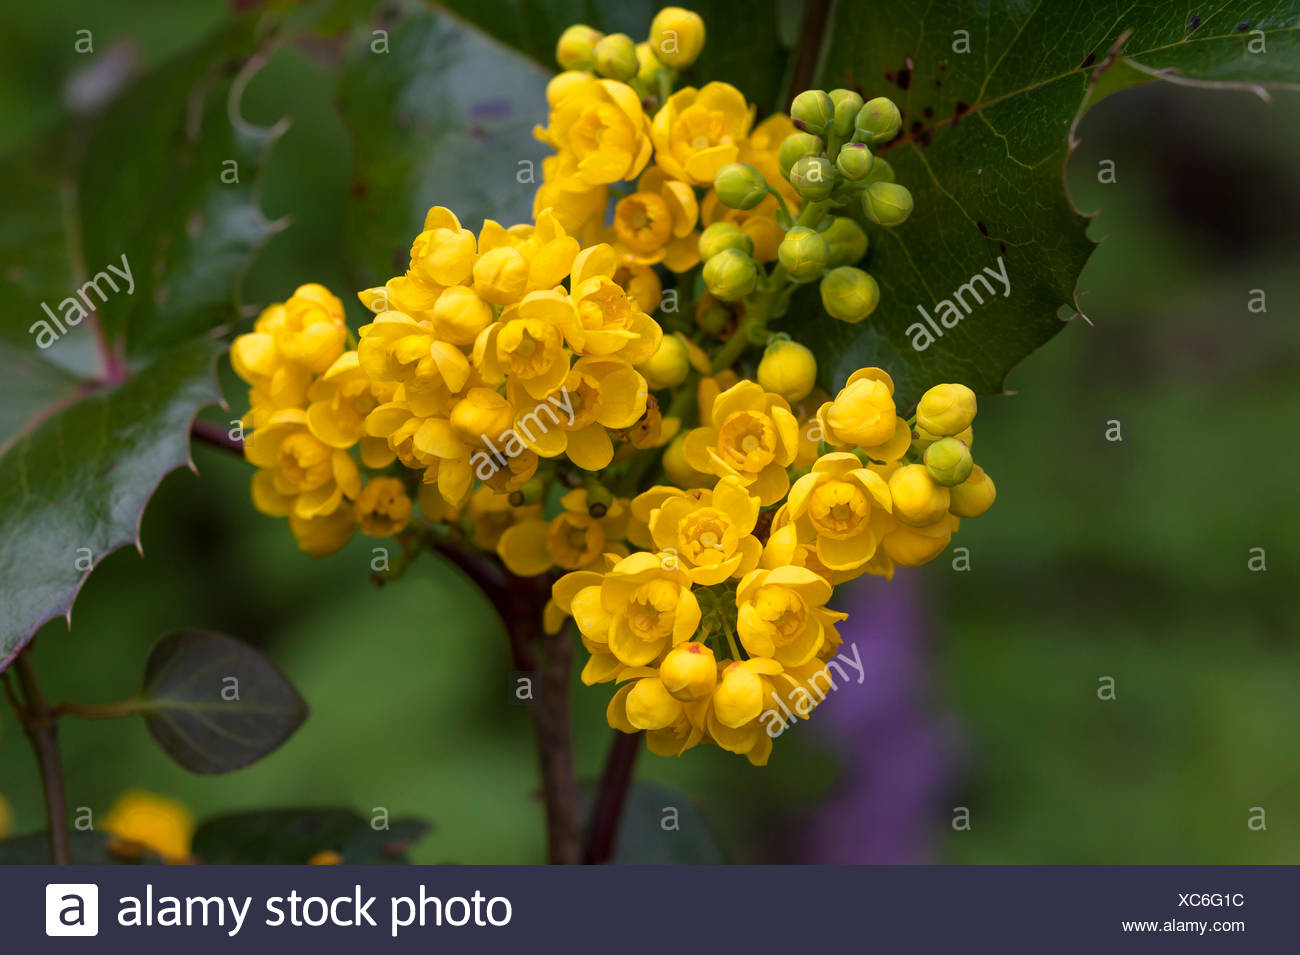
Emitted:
pixel 718 628
pixel 511 382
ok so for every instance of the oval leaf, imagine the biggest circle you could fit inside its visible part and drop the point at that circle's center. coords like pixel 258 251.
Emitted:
pixel 215 704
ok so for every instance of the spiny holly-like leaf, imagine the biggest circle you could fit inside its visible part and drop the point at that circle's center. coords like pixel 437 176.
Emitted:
pixel 445 117
pixel 985 137
pixel 293 836
pixel 747 46
pixel 73 490
pixel 215 704
pixel 125 238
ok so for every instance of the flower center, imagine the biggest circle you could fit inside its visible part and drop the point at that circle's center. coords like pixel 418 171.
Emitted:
pixel 747 441
pixel 784 612
pixel 839 509
pixel 653 609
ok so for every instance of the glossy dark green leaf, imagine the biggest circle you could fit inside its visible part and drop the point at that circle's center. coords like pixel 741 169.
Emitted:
pixel 293 836
pixel 73 490
pixel 215 704
pixel 985 137
pixel 444 117
pixel 162 187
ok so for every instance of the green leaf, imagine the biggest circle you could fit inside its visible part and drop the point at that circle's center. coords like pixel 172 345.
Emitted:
pixel 743 46
pixel 215 704
pixel 985 138
pixel 73 490
pixel 292 836
pixel 445 117
pixel 661 826
pixel 163 187
pixel 86 848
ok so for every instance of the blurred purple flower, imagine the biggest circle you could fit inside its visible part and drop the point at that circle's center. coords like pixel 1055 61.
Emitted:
pixel 895 755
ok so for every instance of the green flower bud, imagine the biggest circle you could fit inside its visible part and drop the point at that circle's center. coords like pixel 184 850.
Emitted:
pixel 794 147
pixel 677 36
pixel 615 57
pixel 948 461
pixel 813 177
pixel 804 253
pixel 576 49
pixel 730 275
pixel 854 161
pixel 887 203
pixel 849 294
pixel 787 369
pixel 846 242
pixel 847 103
pixel 740 186
pixel 881 171
pixel 724 235
pixel 878 121
pixel 812 112
pixel 974 496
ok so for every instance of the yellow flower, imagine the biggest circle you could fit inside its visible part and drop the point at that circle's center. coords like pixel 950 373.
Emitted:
pixel 841 506
pixel 657 223
pixel 395 347
pixel 752 435
pixel 578 207
pixel 595 395
pixel 651 608
pixel 340 402
pixel 611 325
pixel 428 443
pixel 914 546
pixel 309 327
pixel 919 500
pixel 709 532
pixel 598 128
pixel 578 595
pixel 743 705
pixel 575 539
pixel 527 344
pixel 697 132
pixel 299 473
pixel 523 258
pixel 141 821
pixel 491 514
pixel 326 857
pixel 642 284
pixel 671 726
pixel 689 672
pixel 383 508
pixel 459 315
pixel 863 415
pixel 782 614
pixel 973 496
pixel 444 253
pixel 322 535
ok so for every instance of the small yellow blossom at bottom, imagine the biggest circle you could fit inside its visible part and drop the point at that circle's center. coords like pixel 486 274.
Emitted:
pixel 141 821
pixel 326 857
pixel 322 536
pixel 383 507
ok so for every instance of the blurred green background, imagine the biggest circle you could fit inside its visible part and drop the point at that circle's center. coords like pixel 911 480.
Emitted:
pixel 1101 559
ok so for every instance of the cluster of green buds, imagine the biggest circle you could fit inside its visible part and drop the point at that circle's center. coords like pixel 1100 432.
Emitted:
pixel 830 164
pixel 650 67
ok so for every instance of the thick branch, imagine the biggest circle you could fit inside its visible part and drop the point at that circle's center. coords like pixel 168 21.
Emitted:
pixel 42 728
pixel 607 813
